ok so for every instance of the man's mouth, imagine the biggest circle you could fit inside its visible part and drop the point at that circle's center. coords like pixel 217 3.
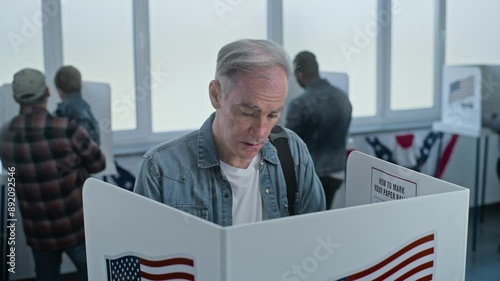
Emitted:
pixel 252 144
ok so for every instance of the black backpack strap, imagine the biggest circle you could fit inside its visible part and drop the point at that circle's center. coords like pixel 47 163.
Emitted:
pixel 279 138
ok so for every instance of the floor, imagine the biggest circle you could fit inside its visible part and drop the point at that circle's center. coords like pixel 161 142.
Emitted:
pixel 483 265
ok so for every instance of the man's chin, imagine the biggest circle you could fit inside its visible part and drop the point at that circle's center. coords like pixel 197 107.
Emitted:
pixel 250 153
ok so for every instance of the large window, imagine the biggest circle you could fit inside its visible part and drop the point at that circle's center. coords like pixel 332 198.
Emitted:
pixel 413 54
pixel 160 55
pixel 343 36
pixel 185 37
pixel 472 32
pixel 98 40
pixel 388 48
pixel 21 42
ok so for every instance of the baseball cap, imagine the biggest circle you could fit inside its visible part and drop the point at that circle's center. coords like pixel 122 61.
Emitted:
pixel 28 85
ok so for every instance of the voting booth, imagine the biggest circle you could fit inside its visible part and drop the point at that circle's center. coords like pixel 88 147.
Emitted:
pixel 98 96
pixel 465 93
pixel 398 224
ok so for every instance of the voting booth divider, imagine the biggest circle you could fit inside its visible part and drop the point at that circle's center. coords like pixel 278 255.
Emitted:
pixel 397 224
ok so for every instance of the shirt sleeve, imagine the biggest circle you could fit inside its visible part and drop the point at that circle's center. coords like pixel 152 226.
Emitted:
pixel 92 157
pixel 147 182
pixel 82 118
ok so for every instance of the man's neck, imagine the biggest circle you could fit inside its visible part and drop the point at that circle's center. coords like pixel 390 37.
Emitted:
pixel 27 108
pixel 308 80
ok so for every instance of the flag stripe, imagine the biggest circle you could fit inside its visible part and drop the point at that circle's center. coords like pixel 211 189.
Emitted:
pixel 168 269
pixel 174 261
pixel 426 278
pixel 399 253
pixel 400 259
pixel 416 270
pixel 413 258
pixel 443 162
pixel 170 276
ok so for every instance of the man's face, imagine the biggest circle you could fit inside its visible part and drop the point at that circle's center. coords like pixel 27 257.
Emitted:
pixel 246 114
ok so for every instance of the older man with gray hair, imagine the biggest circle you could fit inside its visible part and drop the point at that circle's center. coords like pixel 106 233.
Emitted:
pixel 228 172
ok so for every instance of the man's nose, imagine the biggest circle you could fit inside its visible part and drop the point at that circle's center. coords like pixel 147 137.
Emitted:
pixel 260 128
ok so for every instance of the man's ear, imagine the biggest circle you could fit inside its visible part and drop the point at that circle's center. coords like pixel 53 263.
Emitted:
pixel 215 92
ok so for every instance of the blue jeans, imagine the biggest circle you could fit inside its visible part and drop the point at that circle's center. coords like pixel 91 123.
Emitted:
pixel 48 263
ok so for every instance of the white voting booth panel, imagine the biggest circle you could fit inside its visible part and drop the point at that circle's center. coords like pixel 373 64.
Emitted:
pixel 422 237
pixel 461 101
pixel 98 95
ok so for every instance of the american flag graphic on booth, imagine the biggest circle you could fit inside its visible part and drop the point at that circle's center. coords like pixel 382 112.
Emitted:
pixel 461 89
pixel 131 266
pixel 413 262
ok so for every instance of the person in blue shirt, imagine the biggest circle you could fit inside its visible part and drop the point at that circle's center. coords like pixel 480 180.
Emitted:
pixel 227 172
pixel 68 81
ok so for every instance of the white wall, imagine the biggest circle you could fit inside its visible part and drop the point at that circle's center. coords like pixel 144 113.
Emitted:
pixel 472 33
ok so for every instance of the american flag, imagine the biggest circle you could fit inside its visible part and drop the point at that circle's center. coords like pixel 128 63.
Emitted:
pixel 462 89
pixel 134 268
pixel 414 262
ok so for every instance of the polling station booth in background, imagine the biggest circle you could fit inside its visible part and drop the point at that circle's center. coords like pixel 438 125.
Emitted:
pixel 397 224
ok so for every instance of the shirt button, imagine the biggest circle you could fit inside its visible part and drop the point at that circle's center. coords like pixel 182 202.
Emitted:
pixel 267 190
pixel 226 195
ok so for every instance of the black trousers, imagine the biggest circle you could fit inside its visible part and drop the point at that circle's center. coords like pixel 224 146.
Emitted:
pixel 330 186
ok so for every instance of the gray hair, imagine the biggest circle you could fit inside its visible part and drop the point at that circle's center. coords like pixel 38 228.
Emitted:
pixel 250 56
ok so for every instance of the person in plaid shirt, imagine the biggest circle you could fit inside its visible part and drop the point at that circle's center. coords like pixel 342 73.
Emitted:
pixel 52 157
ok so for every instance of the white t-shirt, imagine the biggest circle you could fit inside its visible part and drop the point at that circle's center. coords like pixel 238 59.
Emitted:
pixel 247 201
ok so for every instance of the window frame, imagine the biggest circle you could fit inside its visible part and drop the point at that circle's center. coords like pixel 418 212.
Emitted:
pixel 134 141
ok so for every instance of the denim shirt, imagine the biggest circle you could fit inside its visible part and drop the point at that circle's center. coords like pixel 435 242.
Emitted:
pixel 74 107
pixel 185 173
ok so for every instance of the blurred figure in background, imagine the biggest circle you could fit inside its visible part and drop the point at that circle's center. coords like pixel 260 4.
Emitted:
pixel 321 117
pixel 51 158
pixel 68 81
pixel 492 121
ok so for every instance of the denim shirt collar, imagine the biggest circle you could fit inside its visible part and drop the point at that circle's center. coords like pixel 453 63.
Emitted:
pixel 207 152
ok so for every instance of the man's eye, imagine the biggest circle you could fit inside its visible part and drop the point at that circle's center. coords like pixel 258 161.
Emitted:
pixel 274 116
pixel 249 114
